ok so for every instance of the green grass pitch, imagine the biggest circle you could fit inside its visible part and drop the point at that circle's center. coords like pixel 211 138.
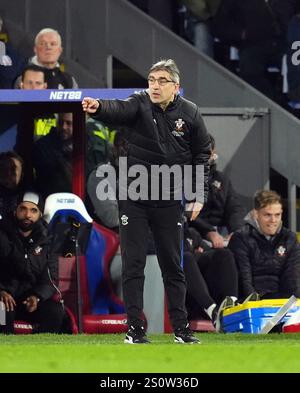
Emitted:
pixel 107 353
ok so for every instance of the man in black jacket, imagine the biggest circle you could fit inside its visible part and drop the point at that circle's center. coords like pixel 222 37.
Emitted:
pixel 53 155
pixel 267 254
pixel 52 158
pixel 223 210
pixel 27 269
pixel 11 175
pixel 165 129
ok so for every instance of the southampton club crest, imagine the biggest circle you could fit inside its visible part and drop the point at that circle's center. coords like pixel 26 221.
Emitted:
pixel 281 251
pixel 217 184
pixel 124 220
pixel 179 131
pixel 38 250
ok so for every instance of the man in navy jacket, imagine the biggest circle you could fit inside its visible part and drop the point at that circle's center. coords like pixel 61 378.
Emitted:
pixel 267 254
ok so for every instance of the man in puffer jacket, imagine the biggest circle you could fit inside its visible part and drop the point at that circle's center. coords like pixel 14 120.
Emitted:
pixel 165 131
pixel 27 270
pixel 223 210
pixel 267 254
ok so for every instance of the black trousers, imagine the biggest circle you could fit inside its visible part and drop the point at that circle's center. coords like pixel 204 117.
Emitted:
pixel 210 276
pixel 166 225
pixel 47 318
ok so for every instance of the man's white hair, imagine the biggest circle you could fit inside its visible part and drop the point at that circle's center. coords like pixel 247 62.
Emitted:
pixel 44 31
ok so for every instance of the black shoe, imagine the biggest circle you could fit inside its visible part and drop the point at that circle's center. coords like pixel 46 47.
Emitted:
pixel 253 297
pixel 136 335
pixel 185 336
pixel 217 318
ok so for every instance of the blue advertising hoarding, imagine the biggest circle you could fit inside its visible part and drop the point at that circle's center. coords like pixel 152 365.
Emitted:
pixel 9 110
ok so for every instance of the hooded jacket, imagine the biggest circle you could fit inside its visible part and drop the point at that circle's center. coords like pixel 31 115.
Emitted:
pixel 26 265
pixel 267 265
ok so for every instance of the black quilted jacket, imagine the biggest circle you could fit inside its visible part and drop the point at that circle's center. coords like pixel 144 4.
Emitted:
pixel 26 265
pixel 223 207
pixel 267 266
pixel 156 137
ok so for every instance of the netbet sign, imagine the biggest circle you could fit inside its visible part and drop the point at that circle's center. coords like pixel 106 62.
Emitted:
pixel 65 95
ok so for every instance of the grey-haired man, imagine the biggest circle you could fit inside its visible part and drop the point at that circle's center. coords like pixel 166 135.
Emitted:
pixel 164 130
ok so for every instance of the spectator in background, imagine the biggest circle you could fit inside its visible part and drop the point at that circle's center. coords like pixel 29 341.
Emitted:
pixel 266 253
pixel 48 49
pixel 53 163
pixel 223 213
pixel 28 270
pixel 258 29
pixel 33 78
pixel 201 13
pixel 11 62
pixel 52 158
pixel 11 173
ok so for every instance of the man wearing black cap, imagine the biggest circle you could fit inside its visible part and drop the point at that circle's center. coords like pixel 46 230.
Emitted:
pixel 27 269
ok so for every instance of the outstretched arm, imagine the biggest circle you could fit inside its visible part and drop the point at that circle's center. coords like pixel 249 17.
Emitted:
pixel 117 112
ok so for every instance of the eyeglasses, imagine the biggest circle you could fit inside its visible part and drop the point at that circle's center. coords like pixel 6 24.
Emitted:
pixel 160 81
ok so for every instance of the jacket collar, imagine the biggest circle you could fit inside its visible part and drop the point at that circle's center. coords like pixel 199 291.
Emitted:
pixel 34 60
pixel 172 105
pixel 39 234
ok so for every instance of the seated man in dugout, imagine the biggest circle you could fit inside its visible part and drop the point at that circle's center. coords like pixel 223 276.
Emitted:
pixel 223 213
pixel 266 253
pixel 28 270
